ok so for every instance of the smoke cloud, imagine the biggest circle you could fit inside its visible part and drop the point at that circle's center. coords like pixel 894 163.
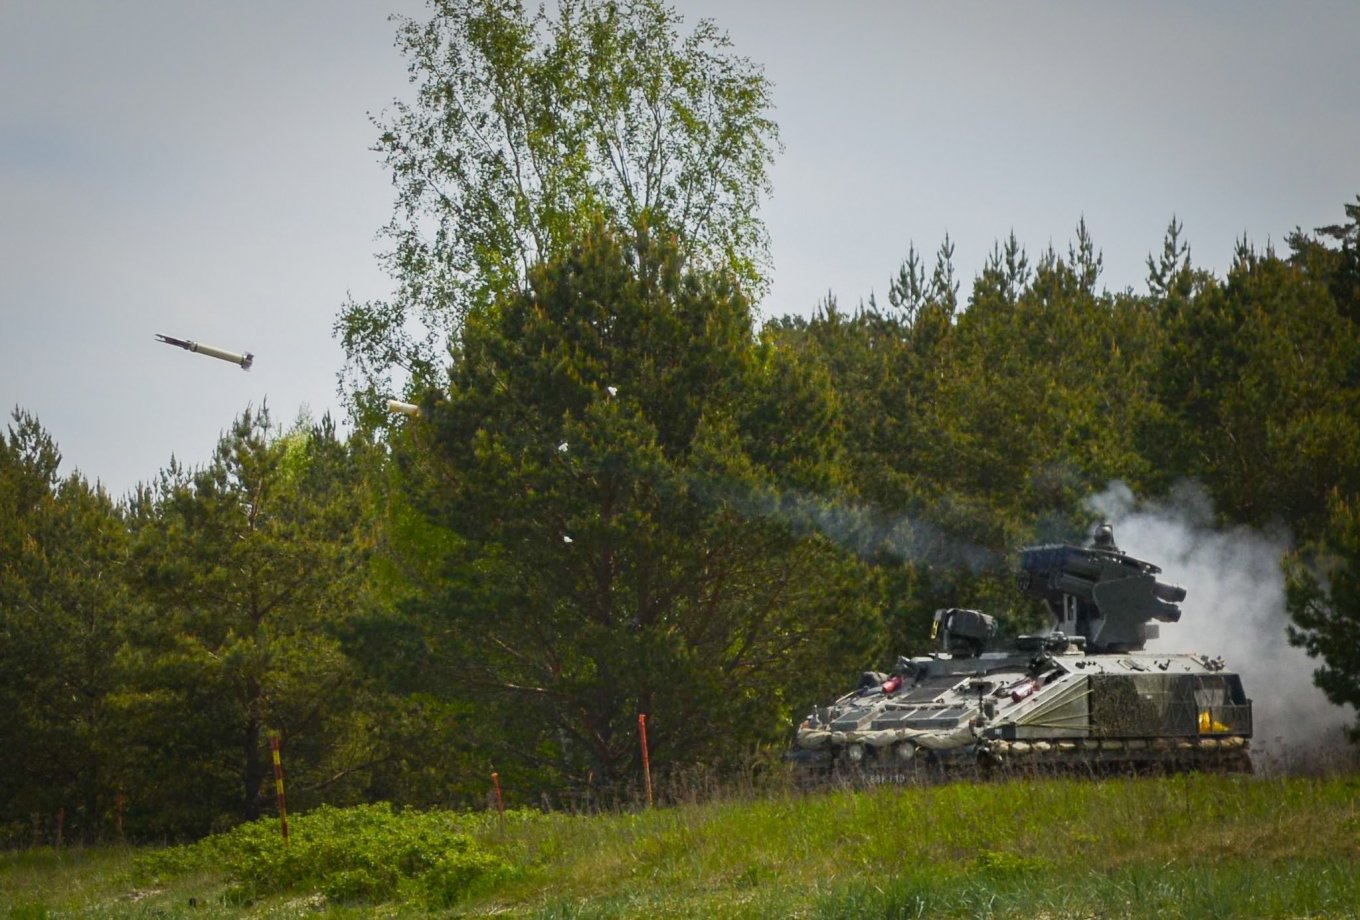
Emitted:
pixel 1234 608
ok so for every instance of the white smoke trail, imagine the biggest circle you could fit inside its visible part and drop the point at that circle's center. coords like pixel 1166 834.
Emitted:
pixel 860 529
pixel 1234 608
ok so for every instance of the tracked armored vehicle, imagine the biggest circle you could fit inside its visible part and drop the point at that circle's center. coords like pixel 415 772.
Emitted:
pixel 1085 696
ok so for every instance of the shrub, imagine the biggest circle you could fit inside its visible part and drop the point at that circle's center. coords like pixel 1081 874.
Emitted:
pixel 366 854
pixel 458 872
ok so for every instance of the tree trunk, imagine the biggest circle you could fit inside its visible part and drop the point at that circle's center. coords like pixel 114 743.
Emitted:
pixel 253 772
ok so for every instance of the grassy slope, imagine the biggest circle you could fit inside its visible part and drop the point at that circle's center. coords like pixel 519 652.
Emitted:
pixel 1197 846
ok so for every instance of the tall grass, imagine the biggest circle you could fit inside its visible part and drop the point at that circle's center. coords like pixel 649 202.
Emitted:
pixel 1188 846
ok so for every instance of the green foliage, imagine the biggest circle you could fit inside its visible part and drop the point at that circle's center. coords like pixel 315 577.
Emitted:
pixel 525 129
pixel 1257 384
pixel 251 568
pixel 1333 256
pixel 1323 594
pixel 1046 391
pixel 365 853
pixel 971 432
pixel 64 603
pixel 622 463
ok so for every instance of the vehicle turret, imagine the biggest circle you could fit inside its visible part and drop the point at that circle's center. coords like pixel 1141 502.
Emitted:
pixel 1100 594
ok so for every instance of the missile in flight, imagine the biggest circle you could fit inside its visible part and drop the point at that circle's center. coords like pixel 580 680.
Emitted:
pixel 244 361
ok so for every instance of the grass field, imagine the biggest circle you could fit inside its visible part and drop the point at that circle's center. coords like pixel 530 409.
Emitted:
pixel 1185 846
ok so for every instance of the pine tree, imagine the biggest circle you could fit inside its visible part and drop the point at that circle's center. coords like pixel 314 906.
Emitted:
pixel 250 568
pixel 627 472
pixel 64 601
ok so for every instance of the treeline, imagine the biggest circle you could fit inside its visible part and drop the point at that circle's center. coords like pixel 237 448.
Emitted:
pixel 630 498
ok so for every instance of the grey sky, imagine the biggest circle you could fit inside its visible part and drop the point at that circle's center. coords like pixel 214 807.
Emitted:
pixel 202 170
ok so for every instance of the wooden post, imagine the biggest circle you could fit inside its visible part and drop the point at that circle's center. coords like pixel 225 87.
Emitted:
pixel 118 814
pixel 278 784
pixel 646 757
pixel 61 822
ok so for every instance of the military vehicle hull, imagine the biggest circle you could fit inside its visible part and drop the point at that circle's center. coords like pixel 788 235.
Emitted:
pixel 1093 701
pixel 1090 712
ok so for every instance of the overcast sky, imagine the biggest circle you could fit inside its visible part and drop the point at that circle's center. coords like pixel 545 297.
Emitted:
pixel 203 170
